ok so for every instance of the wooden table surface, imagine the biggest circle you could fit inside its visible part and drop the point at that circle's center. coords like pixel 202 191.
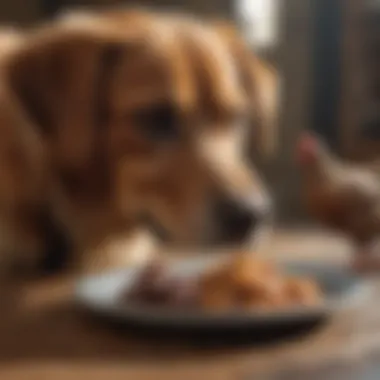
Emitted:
pixel 43 336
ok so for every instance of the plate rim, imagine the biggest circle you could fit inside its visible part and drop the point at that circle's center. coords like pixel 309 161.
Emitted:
pixel 357 292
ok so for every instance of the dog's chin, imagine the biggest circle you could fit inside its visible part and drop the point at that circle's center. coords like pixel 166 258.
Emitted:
pixel 156 228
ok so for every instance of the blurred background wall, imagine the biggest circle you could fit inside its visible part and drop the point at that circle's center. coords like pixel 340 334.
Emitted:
pixel 20 11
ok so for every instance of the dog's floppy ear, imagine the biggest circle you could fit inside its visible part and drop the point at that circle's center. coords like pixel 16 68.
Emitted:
pixel 261 84
pixel 55 78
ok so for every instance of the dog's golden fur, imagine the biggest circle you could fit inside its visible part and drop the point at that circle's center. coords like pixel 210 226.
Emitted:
pixel 78 102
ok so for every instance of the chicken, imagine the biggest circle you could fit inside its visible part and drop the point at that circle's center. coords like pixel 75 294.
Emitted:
pixel 341 195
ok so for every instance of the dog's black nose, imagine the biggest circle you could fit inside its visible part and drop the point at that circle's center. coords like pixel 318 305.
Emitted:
pixel 237 219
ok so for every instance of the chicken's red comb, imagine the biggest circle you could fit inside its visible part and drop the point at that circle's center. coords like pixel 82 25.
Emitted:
pixel 307 148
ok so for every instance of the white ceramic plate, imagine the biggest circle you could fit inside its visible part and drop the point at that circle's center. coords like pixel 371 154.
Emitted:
pixel 101 294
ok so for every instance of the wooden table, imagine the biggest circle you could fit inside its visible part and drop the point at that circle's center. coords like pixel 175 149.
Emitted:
pixel 43 336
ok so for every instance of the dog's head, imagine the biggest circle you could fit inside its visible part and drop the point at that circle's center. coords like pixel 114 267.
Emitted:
pixel 148 117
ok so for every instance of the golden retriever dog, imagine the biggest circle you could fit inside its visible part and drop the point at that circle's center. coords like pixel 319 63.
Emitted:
pixel 117 124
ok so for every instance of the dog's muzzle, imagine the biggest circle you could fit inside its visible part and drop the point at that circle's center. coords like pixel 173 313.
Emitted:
pixel 237 220
pixel 229 221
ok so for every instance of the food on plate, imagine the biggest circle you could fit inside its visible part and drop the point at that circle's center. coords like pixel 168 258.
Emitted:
pixel 155 286
pixel 249 282
pixel 303 291
pixel 243 282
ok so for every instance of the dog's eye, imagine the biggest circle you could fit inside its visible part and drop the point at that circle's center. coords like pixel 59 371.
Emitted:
pixel 159 123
